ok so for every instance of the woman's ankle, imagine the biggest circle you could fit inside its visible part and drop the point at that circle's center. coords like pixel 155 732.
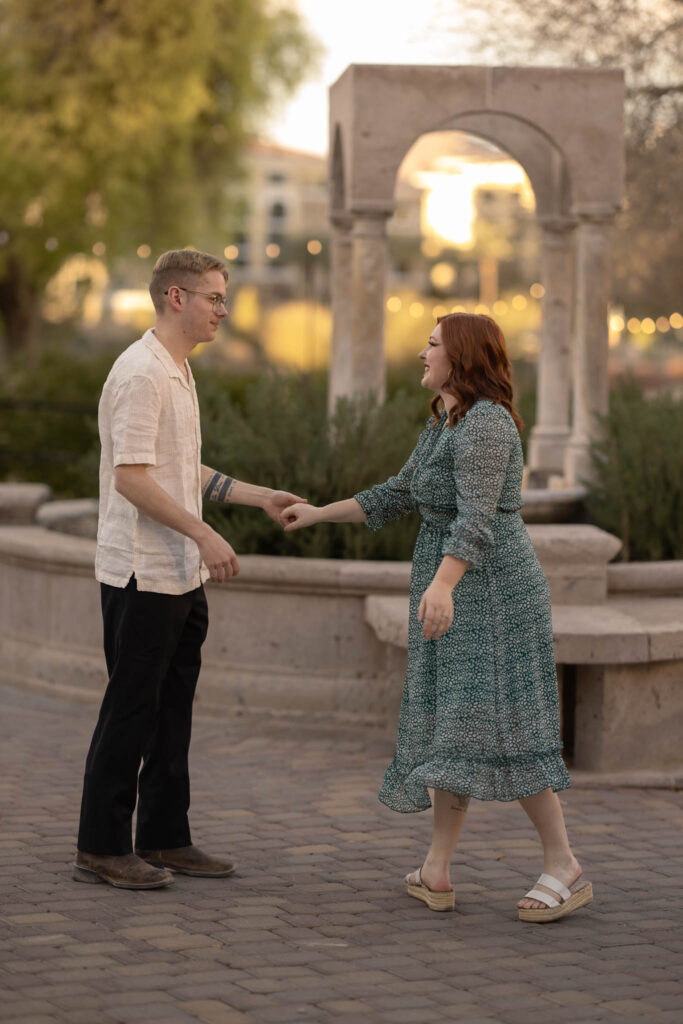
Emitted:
pixel 436 874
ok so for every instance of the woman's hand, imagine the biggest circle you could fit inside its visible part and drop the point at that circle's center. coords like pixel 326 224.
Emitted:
pixel 436 610
pixel 277 502
pixel 299 515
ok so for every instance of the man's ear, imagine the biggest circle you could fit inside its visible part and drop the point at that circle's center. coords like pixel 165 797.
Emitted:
pixel 175 297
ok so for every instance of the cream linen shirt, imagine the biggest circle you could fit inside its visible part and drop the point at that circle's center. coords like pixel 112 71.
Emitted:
pixel 148 414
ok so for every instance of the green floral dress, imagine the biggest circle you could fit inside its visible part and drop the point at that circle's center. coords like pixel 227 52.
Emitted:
pixel 479 715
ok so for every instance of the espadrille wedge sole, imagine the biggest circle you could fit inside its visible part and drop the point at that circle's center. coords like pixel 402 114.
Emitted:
pixel 434 900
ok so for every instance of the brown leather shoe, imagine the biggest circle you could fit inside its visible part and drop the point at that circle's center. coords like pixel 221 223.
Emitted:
pixel 127 871
pixel 188 860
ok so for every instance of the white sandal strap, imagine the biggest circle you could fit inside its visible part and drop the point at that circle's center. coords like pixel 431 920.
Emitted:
pixel 550 882
pixel 542 897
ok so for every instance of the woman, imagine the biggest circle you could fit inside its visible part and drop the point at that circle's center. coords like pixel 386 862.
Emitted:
pixel 479 716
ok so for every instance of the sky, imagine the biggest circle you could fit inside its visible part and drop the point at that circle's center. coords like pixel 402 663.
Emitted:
pixel 364 32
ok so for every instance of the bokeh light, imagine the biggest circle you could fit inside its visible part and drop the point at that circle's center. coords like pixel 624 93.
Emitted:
pixel 442 275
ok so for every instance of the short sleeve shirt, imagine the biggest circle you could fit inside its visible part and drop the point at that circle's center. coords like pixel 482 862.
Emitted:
pixel 149 415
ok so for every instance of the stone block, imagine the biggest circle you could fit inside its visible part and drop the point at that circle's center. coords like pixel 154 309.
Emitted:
pixel 574 558
pixel 77 517
pixel 19 502
pixel 629 717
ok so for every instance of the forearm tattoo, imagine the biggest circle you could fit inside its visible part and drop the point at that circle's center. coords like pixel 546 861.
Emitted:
pixel 218 488
pixel 460 803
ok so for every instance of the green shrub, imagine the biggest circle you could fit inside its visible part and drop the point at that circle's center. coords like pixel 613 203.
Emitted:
pixel 280 436
pixel 48 420
pixel 269 429
pixel 638 462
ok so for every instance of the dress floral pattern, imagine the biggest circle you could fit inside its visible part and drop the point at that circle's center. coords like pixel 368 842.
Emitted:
pixel 479 715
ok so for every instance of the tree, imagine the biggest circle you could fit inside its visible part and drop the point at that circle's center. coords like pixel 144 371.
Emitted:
pixel 121 122
pixel 645 37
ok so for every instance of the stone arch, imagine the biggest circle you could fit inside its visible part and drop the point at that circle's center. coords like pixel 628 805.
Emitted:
pixel 565 127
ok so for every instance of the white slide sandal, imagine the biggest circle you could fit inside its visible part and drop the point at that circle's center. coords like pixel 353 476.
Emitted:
pixel 559 900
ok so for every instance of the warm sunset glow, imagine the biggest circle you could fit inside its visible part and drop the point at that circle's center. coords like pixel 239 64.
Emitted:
pixel 449 201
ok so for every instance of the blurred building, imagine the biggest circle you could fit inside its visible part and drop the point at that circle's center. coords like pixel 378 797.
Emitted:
pixel 278 227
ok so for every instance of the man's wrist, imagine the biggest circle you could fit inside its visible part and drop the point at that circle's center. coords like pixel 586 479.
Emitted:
pixel 200 532
pixel 264 495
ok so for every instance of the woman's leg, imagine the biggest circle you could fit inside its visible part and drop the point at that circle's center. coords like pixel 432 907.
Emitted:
pixel 449 817
pixel 545 812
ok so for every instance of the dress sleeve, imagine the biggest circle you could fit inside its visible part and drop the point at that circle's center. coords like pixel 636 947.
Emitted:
pixel 481 451
pixel 392 499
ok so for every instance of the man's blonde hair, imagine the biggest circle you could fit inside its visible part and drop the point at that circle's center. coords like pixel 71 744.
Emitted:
pixel 181 267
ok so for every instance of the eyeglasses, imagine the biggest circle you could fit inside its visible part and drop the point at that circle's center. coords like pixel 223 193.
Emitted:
pixel 216 300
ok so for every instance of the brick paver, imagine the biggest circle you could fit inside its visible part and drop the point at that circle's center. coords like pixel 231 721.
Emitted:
pixel 315 927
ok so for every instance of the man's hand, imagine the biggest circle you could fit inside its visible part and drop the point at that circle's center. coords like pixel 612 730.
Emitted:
pixel 297 516
pixel 218 556
pixel 277 502
pixel 436 610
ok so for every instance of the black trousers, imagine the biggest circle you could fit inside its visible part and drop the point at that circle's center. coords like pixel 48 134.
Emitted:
pixel 152 645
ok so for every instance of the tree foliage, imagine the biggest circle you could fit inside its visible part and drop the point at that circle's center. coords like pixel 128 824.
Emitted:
pixel 122 121
pixel 645 38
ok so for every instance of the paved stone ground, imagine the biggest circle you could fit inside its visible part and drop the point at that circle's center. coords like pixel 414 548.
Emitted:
pixel 315 926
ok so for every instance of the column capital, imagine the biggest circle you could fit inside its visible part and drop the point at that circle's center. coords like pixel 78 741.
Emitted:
pixel 380 209
pixel 595 213
pixel 341 220
pixel 558 225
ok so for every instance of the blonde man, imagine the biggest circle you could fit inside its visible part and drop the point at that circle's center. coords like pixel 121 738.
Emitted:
pixel 154 553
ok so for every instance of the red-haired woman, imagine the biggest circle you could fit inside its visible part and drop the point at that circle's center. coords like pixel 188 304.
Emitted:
pixel 479 716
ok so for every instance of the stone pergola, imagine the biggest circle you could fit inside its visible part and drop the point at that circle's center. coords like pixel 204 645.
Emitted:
pixel 565 127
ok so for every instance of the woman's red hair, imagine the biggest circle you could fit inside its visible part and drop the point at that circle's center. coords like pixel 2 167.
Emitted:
pixel 480 367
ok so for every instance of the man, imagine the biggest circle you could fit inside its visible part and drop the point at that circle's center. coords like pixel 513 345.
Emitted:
pixel 153 555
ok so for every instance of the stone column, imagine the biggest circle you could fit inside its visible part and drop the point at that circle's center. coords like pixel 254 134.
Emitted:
pixel 368 282
pixel 549 436
pixel 340 289
pixel 591 346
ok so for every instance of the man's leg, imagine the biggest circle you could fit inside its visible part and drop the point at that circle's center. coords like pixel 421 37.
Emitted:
pixel 163 831
pixel 141 633
pixel 164 783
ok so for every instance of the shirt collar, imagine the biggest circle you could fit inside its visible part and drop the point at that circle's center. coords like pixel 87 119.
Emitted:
pixel 164 356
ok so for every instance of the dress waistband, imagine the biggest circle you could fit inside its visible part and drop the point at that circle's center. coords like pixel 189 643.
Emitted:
pixel 441 519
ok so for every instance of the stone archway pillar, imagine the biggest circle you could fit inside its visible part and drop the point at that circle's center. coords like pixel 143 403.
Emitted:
pixel 550 434
pixel 340 288
pixel 368 283
pixel 591 344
